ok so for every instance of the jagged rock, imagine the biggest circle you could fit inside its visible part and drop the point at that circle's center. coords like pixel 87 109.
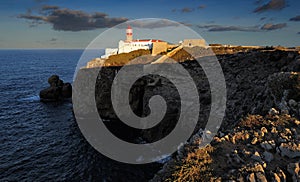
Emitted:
pixel 273 111
pixel 281 175
pixel 293 103
pixel 273 130
pixel 265 145
pixel 291 150
pixel 294 170
pixel 275 177
pixel 254 141
pixel 251 177
pixel 268 156
pixel 53 80
pixel 264 130
pixel 260 177
pixel 57 91
pixel 256 156
pixel 66 90
pixel 258 168
pixel 284 87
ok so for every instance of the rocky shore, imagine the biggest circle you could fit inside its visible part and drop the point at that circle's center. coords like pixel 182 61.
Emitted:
pixel 259 136
pixel 259 139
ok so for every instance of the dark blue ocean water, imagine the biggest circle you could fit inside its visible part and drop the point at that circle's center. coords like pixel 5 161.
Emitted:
pixel 39 141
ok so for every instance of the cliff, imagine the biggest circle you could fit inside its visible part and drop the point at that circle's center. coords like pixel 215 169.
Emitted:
pixel 258 139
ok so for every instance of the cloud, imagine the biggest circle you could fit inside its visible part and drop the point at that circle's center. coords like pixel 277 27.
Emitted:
pixel 187 10
pixel 183 10
pixel 296 18
pixel 31 17
pixel 150 24
pixel 263 18
pixel 270 26
pixel 222 28
pixel 186 24
pixel 258 1
pixel 202 6
pixel 40 1
pixel 271 5
pixel 49 7
pixel 71 20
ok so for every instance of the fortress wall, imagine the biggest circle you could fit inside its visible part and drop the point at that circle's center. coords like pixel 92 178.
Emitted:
pixel 159 47
pixel 194 42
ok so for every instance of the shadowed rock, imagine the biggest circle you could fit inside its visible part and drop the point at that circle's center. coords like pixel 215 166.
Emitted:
pixel 57 91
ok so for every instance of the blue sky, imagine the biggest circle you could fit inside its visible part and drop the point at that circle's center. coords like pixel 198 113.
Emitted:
pixel 73 24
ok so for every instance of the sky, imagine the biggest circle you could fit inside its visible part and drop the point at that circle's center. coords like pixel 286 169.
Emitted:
pixel 27 24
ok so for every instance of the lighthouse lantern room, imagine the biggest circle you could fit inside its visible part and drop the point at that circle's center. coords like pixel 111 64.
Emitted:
pixel 129 34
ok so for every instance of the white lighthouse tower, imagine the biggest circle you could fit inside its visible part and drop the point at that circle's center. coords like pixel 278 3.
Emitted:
pixel 129 34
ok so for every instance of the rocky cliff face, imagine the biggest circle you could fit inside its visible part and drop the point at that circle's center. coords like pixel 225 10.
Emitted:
pixel 252 79
pixel 260 128
pixel 259 139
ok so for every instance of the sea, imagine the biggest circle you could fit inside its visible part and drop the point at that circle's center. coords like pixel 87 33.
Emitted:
pixel 42 141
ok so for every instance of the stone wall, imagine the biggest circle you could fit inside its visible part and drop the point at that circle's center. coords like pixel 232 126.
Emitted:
pixel 159 47
pixel 194 42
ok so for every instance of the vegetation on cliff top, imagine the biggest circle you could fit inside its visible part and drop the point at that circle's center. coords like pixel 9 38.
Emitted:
pixel 253 149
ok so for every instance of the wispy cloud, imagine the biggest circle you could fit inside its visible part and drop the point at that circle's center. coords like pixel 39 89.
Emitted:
pixel 263 18
pixel 202 6
pixel 296 18
pixel 32 17
pixel 53 39
pixel 259 1
pixel 150 24
pixel 271 5
pixel 71 20
pixel 187 10
pixel 40 1
pixel 270 26
pixel 49 7
pixel 222 28
pixel 186 24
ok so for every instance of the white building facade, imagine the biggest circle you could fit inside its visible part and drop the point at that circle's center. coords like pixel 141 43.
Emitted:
pixel 126 46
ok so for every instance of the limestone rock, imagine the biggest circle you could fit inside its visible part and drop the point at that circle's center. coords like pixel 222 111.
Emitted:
pixel 291 150
pixel 268 156
pixel 265 145
pixel 260 177
pixel 256 156
pixel 294 170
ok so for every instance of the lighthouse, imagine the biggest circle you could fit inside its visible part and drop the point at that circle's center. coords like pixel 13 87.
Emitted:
pixel 129 34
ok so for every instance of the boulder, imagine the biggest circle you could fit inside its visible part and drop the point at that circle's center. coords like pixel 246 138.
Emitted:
pixel 57 91
pixel 66 90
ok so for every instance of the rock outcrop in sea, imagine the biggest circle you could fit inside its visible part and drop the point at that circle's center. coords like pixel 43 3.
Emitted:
pixel 57 91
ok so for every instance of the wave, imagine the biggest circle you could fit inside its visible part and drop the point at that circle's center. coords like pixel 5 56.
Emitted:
pixel 31 98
